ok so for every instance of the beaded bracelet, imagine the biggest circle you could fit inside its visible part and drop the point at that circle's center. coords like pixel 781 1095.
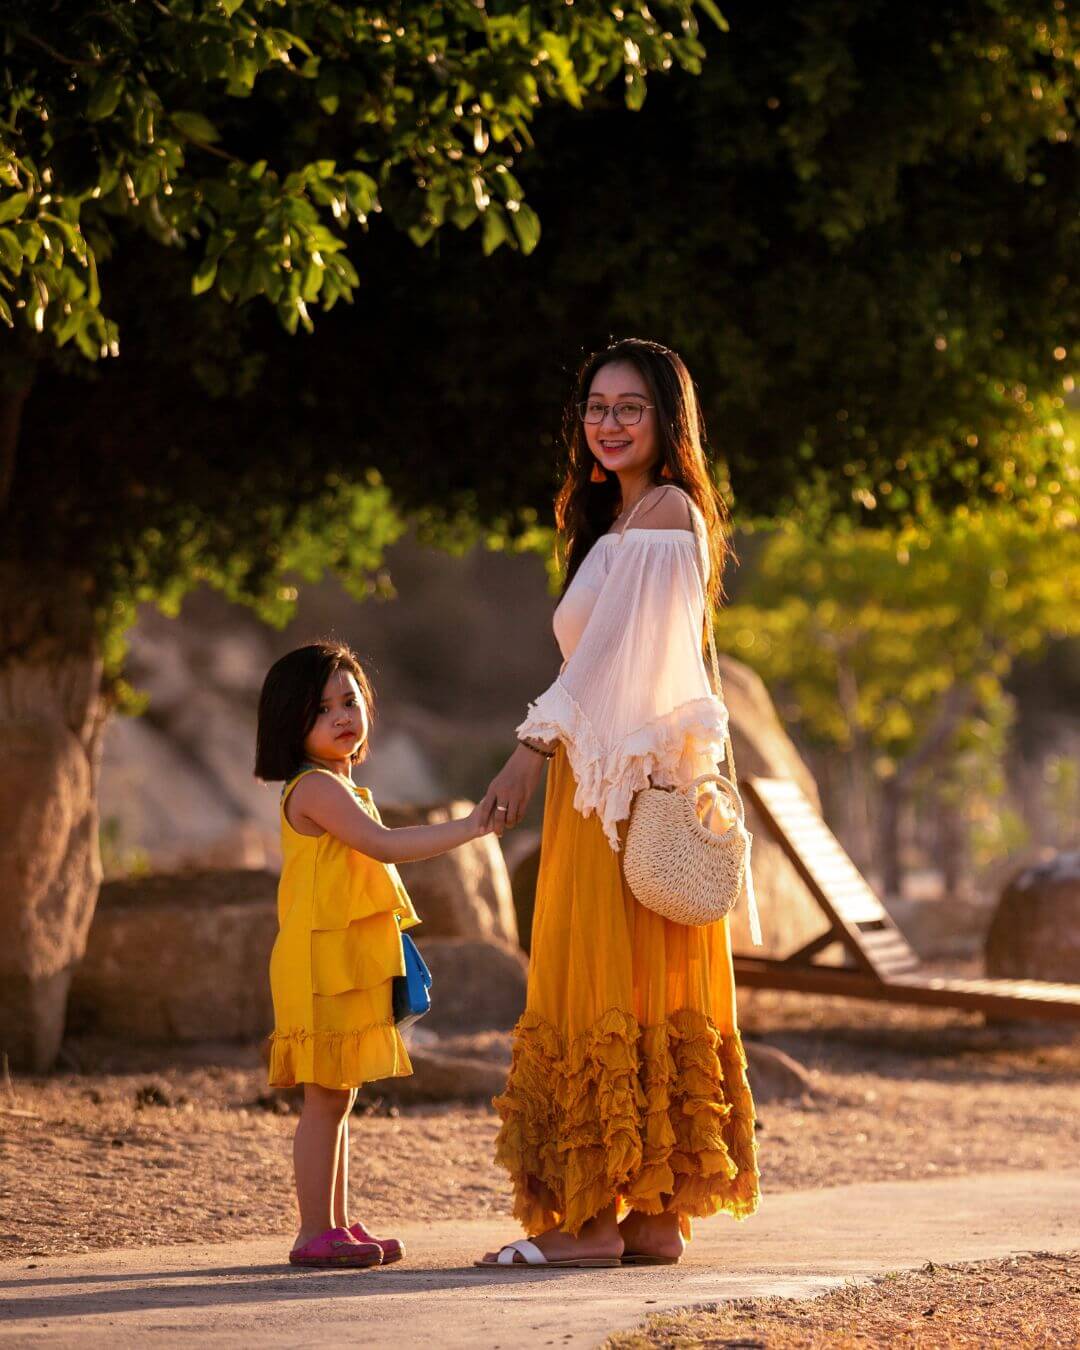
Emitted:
pixel 547 754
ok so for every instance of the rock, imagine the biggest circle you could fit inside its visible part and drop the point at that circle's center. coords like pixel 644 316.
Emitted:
pixel 775 1076
pixel 399 769
pixel 475 986
pixel 179 958
pixel 950 928
pixel 440 1077
pixel 464 893
pixel 163 810
pixel 790 917
pixel 523 880
pixel 761 744
pixel 1035 931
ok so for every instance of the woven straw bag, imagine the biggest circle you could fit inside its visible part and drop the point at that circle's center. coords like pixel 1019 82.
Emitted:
pixel 673 863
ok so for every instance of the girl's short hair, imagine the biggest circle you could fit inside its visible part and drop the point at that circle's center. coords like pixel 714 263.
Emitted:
pixel 289 704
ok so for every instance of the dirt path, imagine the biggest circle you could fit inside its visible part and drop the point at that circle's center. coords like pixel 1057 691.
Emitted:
pixel 800 1244
pixel 139 1148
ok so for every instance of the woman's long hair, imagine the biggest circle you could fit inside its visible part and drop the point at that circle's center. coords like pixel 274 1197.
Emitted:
pixel 584 510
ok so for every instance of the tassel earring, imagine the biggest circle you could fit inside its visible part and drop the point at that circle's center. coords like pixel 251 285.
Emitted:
pixel 665 472
pixel 599 473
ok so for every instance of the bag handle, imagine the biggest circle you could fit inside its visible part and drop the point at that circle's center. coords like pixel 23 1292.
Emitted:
pixel 718 690
pixel 723 782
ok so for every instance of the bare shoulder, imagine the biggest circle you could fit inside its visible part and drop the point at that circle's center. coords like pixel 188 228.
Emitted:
pixel 668 509
pixel 314 793
pixel 319 787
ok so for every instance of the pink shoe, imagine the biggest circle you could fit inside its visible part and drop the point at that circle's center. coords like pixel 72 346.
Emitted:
pixel 392 1248
pixel 336 1248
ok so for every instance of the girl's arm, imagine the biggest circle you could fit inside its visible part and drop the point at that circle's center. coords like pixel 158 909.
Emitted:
pixel 321 804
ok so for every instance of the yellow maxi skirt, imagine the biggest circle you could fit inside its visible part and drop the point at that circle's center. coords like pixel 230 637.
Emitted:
pixel 628 1080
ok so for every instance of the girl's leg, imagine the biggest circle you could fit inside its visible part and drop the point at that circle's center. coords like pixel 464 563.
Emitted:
pixel 341 1174
pixel 315 1155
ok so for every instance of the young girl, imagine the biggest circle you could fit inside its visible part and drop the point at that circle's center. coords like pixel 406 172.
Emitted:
pixel 341 909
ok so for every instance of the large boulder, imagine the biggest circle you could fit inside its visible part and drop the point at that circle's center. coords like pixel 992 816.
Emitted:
pixel 1035 931
pixel 463 893
pixel 774 1076
pixel 475 986
pixel 179 958
pixel 790 917
pixel 761 744
pixel 164 809
pixel 439 1076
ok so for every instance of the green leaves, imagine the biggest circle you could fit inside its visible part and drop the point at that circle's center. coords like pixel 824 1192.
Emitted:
pixel 12 207
pixel 526 227
pixel 195 126
pixel 208 119
pixel 557 50
pixel 204 277
pixel 104 97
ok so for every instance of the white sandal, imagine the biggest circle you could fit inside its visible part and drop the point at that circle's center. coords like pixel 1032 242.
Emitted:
pixel 533 1256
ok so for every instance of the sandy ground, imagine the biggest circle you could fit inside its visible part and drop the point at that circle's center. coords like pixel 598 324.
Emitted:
pixel 1024 1301
pixel 125 1148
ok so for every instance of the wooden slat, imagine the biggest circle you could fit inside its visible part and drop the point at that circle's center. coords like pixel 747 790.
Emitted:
pixel 1004 999
pixel 833 879
pixel 888 968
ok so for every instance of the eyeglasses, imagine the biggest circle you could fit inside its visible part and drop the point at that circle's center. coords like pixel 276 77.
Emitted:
pixel 593 411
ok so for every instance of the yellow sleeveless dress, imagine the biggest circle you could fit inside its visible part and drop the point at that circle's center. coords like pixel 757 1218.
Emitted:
pixel 340 916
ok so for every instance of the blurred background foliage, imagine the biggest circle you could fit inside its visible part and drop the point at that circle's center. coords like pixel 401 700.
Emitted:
pixel 895 659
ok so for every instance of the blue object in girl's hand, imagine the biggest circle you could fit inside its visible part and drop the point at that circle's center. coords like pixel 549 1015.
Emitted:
pixel 412 991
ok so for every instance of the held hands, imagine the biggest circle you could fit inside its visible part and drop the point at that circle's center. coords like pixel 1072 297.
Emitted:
pixel 482 818
pixel 512 787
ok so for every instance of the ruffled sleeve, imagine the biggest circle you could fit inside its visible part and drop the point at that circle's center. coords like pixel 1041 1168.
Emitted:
pixel 633 701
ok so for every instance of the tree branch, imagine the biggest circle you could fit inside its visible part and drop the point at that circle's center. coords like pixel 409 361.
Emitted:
pixel 56 56
pixel 957 703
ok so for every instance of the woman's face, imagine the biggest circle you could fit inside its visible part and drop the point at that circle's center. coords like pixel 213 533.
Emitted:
pixel 341 726
pixel 623 447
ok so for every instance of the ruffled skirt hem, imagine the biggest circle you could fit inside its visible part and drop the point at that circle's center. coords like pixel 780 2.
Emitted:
pixel 338 1059
pixel 656 1118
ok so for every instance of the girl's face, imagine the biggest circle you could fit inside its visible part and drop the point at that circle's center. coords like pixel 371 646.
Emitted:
pixel 341 726
pixel 625 447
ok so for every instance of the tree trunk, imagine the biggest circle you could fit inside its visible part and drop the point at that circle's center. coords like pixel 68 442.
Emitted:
pixel 51 719
pixel 892 875
pixel 952 850
pixel 11 406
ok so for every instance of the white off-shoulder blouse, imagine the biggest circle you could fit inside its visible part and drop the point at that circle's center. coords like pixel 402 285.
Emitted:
pixel 633 702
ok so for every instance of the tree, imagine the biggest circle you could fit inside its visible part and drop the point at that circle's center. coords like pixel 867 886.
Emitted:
pixel 895 652
pixel 223 151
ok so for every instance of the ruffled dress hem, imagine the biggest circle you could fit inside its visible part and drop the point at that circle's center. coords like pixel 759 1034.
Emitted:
pixel 338 1059
pixel 657 1118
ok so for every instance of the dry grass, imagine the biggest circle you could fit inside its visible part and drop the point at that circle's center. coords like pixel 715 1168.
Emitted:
pixel 1024 1301
pixel 140 1147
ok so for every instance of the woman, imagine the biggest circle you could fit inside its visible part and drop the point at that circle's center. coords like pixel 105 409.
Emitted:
pixel 628 1093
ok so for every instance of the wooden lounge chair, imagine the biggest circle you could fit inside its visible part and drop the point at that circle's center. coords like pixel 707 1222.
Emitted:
pixel 880 964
